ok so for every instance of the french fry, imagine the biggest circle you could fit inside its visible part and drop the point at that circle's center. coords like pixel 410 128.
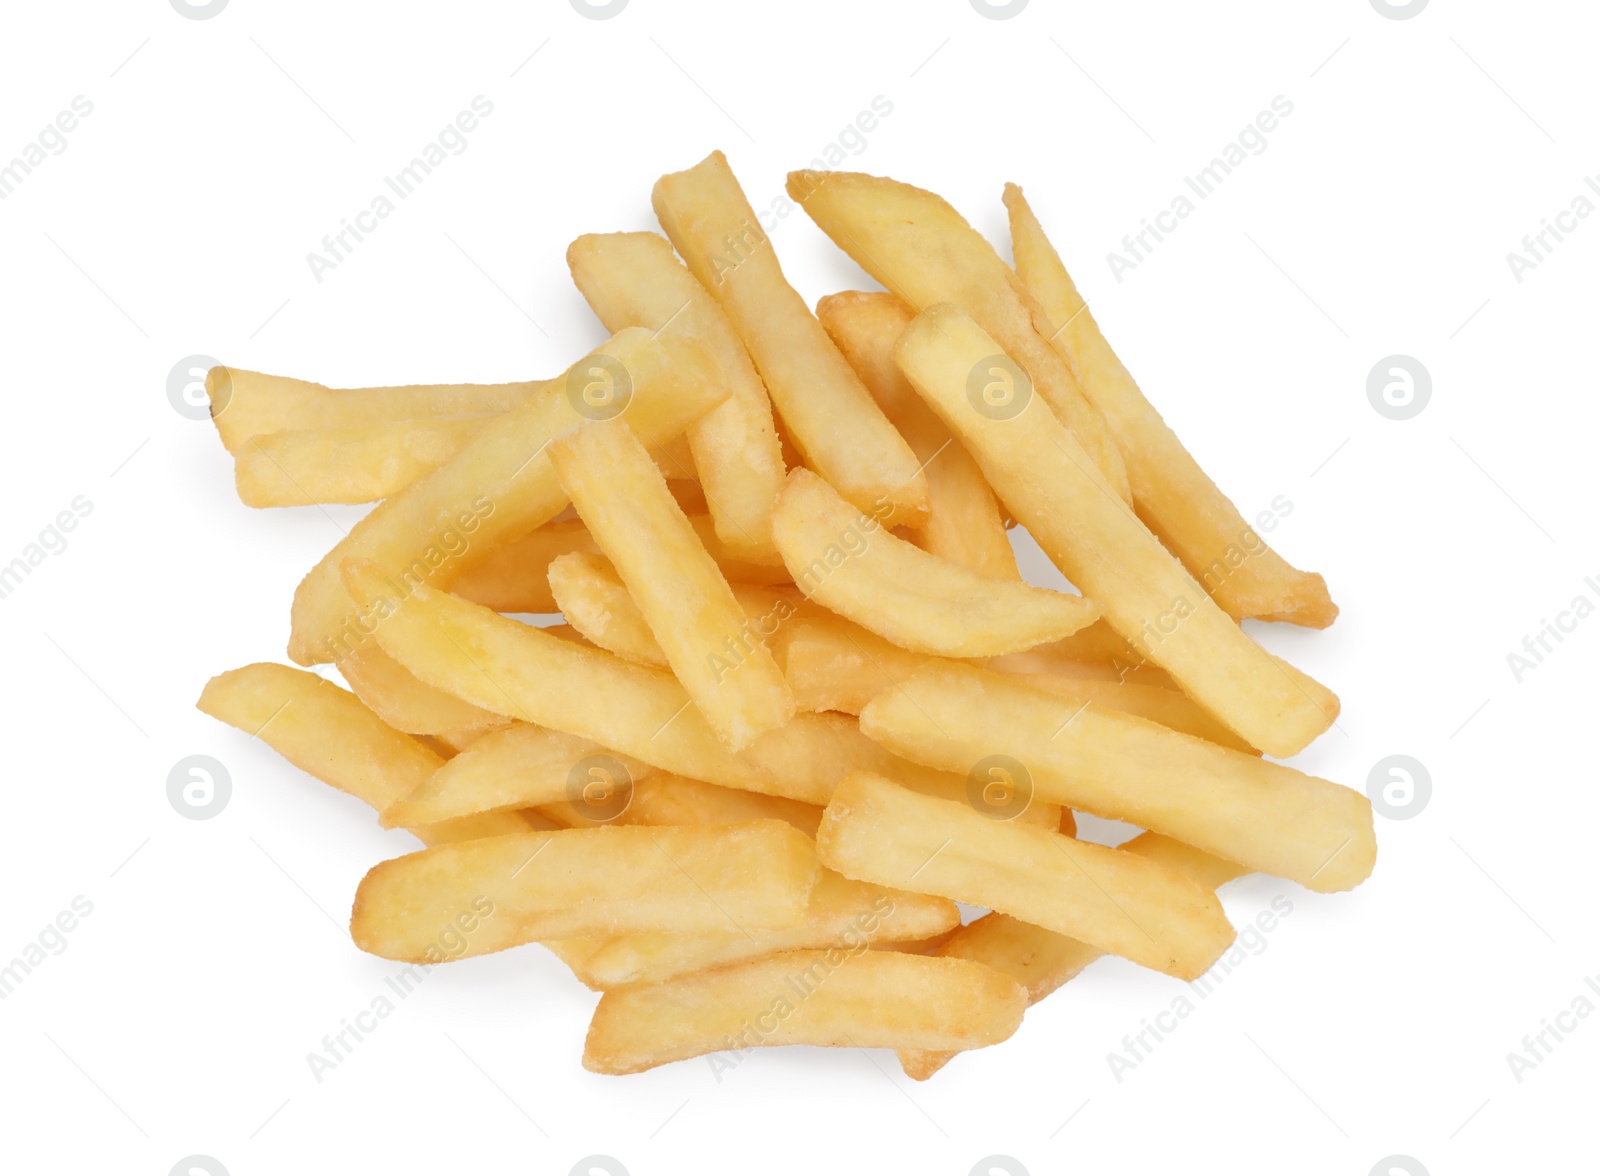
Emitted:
pixel 842 913
pixel 1159 704
pixel 677 586
pixel 875 831
pixel 1047 481
pixel 576 883
pixel 633 280
pixel 1042 961
pixel 924 251
pixel 595 601
pixel 830 997
pixel 964 522
pixel 524 673
pixel 501 484
pixel 327 733
pixel 849 563
pixel 514 577
pixel 665 799
pixel 350 463
pixel 1263 815
pixel 397 698
pixel 1171 493
pixel 828 414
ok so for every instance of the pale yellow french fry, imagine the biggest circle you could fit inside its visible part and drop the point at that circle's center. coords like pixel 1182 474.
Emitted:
pixel 830 417
pixel 845 561
pixel 922 249
pixel 327 733
pixel 595 601
pixel 1172 494
pixel 964 523
pixel 1043 475
pixel 251 404
pixel 867 999
pixel 350 463
pixel 576 883
pixel 1097 650
pixel 665 799
pixel 1042 961
pixel 1261 814
pixel 397 698
pixel 677 586
pixel 524 673
pixel 1160 704
pixel 519 767
pixel 842 913
pixel 633 280
pixel 875 831
pixel 501 484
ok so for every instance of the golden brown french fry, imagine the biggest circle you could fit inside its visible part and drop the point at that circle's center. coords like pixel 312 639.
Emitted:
pixel 1171 493
pixel 679 590
pixel 923 250
pixel 575 883
pixel 633 280
pixel 842 913
pixel 964 522
pixel 524 673
pixel 875 831
pixel 350 463
pixel 327 733
pixel 501 484
pixel 252 404
pixel 397 698
pixel 1042 961
pixel 1043 475
pixel 849 563
pixel 1264 815
pixel 869 999
pixel 828 414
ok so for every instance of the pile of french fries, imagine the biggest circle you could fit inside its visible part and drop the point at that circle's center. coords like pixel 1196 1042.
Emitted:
pixel 801 703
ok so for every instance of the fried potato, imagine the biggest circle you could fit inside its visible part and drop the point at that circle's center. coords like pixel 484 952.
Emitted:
pixel 923 250
pixel 595 601
pixel 666 799
pixel 676 584
pixel 1047 481
pixel 847 562
pixel 326 732
pixel 1171 493
pixel 870 999
pixel 633 280
pixel 514 577
pixel 1042 961
pixel 1263 815
pixel 828 414
pixel 1160 704
pixel 524 673
pixel 350 463
pixel 964 522
pixel 842 914
pixel 575 883
pixel 501 485
pixel 397 698
pixel 875 831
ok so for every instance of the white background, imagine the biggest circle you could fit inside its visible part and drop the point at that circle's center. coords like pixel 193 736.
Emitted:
pixel 178 1017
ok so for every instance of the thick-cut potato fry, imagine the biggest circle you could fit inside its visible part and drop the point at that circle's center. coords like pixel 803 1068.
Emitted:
pixel 923 250
pixel 868 999
pixel 1261 814
pixel 1159 704
pixel 350 463
pixel 406 704
pixel 520 767
pixel 964 522
pixel 595 601
pixel 842 913
pixel 876 831
pixel 327 733
pixel 251 404
pixel 847 562
pixel 677 586
pixel 633 280
pixel 1043 475
pixel 829 415
pixel 1042 961
pixel 501 484
pixel 515 576
pixel 523 673
pixel 576 883
pixel 1171 493
pixel 666 799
